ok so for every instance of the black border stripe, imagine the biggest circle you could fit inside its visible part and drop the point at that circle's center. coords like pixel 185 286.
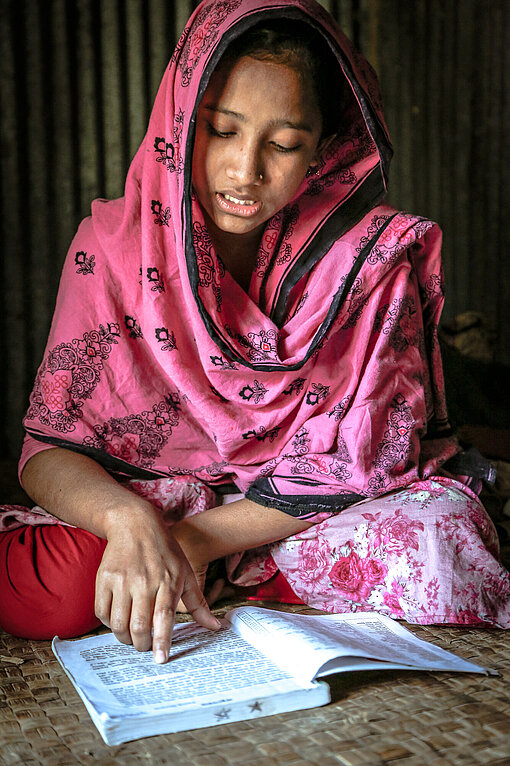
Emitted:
pixel 111 463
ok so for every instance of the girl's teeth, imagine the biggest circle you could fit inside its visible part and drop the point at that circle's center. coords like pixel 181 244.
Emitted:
pixel 239 201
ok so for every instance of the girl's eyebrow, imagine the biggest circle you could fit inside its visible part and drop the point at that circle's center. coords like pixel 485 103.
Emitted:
pixel 272 123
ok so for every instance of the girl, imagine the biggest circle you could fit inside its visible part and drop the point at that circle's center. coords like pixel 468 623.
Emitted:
pixel 249 318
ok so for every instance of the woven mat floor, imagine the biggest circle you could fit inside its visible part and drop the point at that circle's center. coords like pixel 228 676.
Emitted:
pixel 393 717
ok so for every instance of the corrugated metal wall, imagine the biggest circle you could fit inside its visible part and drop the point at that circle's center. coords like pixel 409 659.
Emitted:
pixel 78 78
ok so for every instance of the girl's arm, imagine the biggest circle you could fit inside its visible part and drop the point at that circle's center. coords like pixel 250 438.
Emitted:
pixel 144 571
pixel 231 528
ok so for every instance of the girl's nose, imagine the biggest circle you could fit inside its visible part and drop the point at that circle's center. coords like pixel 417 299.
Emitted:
pixel 245 167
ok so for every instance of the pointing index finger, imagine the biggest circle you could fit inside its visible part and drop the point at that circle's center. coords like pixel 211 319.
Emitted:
pixel 163 624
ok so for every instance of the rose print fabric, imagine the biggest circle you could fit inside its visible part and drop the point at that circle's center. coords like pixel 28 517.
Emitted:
pixel 319 387
pixel 426 554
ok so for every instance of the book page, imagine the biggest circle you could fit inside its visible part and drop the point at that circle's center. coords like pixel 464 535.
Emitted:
pixel 307 645
pixel 204 667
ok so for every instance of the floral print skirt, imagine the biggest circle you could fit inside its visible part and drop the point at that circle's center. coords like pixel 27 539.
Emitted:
pixel 426 554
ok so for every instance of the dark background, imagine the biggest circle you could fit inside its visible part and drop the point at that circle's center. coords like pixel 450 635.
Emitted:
pixel 77 81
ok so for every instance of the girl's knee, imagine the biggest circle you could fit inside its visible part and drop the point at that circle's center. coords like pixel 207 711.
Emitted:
pixel 47 581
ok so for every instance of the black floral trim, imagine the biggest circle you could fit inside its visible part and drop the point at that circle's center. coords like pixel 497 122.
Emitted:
pixel 135 331
pixel 339 409
pixel 342 452
pixel 161 215
pixel 225 364
pixel 208 274
pixel 295 387
pixel 155 279
pixel 340 471
pixel 170 153
pixel 399 324
pixel 279 229
pixel 394 450
pixel 301 442
pixel 84 262
pixel 262 344
pixel 354 303
pixel 213 470
pixel 261 435
pixel 256 392
pixel 201 36
pixel 75 369
pixel 138 438
pixel 319 393
pixel 166 338
pixel 434 286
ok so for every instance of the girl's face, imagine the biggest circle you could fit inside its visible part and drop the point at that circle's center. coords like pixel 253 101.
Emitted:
pixel 258 129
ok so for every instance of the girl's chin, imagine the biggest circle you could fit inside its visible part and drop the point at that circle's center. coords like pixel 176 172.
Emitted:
pixel 229 224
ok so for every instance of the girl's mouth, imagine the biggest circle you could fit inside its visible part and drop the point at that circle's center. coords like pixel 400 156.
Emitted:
pixel 243 207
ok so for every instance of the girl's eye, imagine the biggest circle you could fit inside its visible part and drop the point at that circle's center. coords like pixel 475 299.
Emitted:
pixel 218 133
pixel 286 149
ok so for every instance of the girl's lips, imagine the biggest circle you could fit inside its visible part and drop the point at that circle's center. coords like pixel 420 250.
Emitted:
pixel 245 209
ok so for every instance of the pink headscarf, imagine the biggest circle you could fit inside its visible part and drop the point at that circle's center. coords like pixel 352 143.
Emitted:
pixel 321 386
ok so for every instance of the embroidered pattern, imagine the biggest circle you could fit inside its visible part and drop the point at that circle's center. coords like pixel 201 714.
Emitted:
pixel 254 392
pixel 202 35
pixel 295 387
pixel 166 338
pixel 301 442
pixel 210 268
pixel 318 393
pixel 263 344
pixel 281 225
pixel 225 364
pixel 84 262
pixel 434 286
pixel 68 376
pixel 161 215
pixel 393 452
pixel 355 302
pixel 169 154
pixel 135 331
pixel 399 324
pixel 157 284
pixel 338 410
pixel 261 435
pixel 138 438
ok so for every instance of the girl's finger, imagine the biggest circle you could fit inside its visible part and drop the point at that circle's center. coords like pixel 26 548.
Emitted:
pixel 103 604
pixel 120 614
pixel 163 622
pixel 196 604
pixel 140 623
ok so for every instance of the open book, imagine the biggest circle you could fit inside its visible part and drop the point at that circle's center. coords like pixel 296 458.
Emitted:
pixel 261 662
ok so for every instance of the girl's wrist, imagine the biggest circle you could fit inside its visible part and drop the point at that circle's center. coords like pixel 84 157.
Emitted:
pixel 128 515
pixel 193 543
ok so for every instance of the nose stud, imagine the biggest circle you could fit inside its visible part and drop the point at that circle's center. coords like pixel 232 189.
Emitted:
pixel 260 176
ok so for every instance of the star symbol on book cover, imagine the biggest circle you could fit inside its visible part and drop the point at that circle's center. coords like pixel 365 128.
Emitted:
pixel 223 714
pixel 255 706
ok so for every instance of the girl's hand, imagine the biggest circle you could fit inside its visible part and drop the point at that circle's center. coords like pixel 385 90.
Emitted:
pixel 190 543
pixel 142 576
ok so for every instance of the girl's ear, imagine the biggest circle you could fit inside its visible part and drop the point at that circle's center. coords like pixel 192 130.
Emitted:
pixel 321 148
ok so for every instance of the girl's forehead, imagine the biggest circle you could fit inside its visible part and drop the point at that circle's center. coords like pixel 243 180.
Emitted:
pixel 253 82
